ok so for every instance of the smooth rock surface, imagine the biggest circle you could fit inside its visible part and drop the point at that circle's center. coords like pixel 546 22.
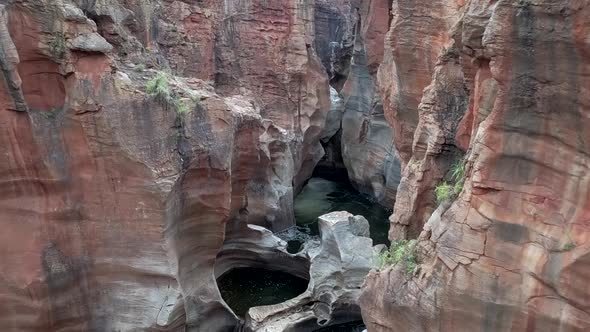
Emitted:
pixel 339 264
pixel 91 42
pixel 365 139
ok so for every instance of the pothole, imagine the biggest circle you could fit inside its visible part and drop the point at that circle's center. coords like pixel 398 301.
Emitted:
pixel 247 287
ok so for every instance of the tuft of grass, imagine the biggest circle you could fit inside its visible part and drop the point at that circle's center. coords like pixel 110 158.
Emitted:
pixel 443 192
pixel 183 107
pixel 458 172
pixel 52 113
pixel 140 68
pixel 458 186
pixel 569 246
pixel 159 88
pixel 400 252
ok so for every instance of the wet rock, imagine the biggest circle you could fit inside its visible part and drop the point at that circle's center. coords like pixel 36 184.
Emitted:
pixel 258 247
pixel 334 117
pixel 364 142
pixel 367 139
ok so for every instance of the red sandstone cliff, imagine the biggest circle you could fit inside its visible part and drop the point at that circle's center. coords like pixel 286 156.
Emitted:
pixel 114 204
pixel 507 83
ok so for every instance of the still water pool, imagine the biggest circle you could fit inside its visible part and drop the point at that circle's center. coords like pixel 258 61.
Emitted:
pixel 321 196
pixel 243 288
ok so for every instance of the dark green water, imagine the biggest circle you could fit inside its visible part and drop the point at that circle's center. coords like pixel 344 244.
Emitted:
pixel 321 196
pixel 243 288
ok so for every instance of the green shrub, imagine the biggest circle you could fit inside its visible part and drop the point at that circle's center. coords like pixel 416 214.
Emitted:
pixel 52 113
pixel 443 192
pixel 140 68
pixel 159 88
pixel 183 107
pixel 458 172
pixel 404 252
pixel 457 187
pixel 569 246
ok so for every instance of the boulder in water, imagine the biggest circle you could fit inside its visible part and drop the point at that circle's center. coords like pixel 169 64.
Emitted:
pixel 339 264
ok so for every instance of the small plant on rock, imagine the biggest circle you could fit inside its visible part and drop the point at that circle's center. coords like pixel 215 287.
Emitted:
pixel 58 45
pixel 458 175
pixel 183 107
pixel 569 246
pixel 140 68
pixel 443 192
pixel 400 252
pixel 159 88
pixel 458 171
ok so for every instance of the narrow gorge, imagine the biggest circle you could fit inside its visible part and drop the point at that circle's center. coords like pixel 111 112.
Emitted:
pixel 295 165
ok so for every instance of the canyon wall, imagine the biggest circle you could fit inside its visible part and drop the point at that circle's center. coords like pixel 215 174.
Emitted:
pixel 501 87
pixel 115 202
pixel 357 137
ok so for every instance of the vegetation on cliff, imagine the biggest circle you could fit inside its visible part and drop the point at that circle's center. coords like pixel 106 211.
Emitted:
pixel 444 190
pixel 400 252
pixel 159 88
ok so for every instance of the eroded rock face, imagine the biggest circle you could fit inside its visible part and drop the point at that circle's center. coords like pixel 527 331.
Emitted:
pixel 339 264
pixel 511 251
pixel 115 204
pixel 258 247
pixel 365 140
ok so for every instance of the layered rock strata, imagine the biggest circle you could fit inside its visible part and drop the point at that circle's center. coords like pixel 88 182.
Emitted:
pixel 507 82
pixel 116 203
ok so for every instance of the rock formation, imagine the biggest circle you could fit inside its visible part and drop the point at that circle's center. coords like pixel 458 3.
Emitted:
pixel 507 82
pixel 365 139
pixel 258 247
pixel 150 146
pixel 116 203
pixel 339 264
